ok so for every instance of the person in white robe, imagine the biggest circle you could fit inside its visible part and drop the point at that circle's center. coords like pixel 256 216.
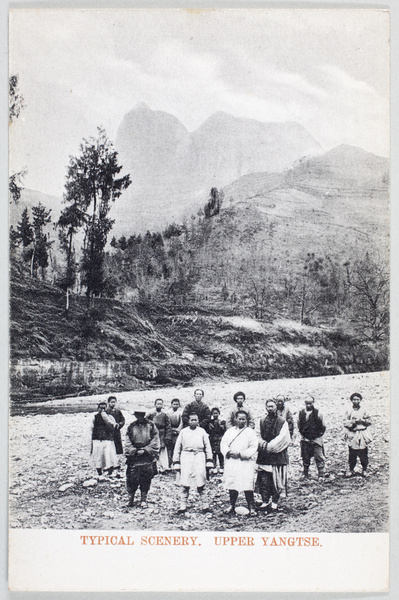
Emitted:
pixel 192 457
pixel 239 446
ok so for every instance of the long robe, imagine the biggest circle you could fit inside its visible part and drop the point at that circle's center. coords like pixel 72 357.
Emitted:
pixel 357 436
pixel 103 452
pixel 192 450
pixel 201 409
pixel 120 421
pixel 162 421
pixel 142 436
pixel 239 473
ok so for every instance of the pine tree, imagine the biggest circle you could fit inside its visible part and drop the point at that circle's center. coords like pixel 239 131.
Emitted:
pixel 93 185
pixel 41 242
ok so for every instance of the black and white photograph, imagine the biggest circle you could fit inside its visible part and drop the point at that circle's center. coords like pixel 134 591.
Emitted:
pixel 199 234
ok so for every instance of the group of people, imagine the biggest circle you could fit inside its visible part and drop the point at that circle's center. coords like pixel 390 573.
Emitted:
pixel 196 442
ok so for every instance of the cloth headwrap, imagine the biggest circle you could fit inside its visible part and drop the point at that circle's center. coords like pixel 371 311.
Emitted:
pixel 272 400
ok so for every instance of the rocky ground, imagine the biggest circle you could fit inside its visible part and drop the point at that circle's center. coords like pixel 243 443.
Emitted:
pixel 50 467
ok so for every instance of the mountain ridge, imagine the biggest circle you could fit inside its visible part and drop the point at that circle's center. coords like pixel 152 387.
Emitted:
pixel 171 168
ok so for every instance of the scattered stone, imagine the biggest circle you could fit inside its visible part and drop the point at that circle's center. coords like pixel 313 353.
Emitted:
pixel 89 483
pixel 65 487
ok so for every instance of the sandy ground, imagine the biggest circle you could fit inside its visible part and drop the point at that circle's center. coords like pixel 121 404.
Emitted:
pixel 50 450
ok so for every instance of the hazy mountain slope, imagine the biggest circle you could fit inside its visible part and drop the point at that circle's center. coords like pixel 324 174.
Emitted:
pixel 172 170
pixel 31 198
pixel 333 201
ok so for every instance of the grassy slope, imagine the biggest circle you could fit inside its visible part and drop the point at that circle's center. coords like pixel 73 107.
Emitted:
pixel 165 345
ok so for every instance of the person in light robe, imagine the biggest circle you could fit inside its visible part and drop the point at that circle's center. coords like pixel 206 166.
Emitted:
pixel 358 436
pixel 239 446
pixel 191 458
pixel 272 458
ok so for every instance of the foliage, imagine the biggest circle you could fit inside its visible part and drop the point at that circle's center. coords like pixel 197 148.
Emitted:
pixel 91 187
pixel 41 243
pixel 15 186
pixel 213 206
pixel 15 99
pixel 15 105
pixel 369 285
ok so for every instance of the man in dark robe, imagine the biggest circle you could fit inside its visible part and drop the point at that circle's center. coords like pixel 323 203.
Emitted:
pixel 162 421
pixel 311 427
pixel 120 421
pixel 198 407
pixel 141 450
pixel 272 457
pixel 176 425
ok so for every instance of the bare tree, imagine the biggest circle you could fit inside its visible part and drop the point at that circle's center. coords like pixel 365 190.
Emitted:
pixel 368 281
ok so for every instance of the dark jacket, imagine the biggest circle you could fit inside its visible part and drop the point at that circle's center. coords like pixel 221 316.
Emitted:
pixel 270 427
pixel 199 408
pixel 142 436
pixel 162 422
pixel 101 430
pixel 120 420
pixel 216 430
pixel 311 427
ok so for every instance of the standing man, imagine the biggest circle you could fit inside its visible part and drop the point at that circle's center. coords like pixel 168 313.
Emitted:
pixel 120 421
pixel 198 407
pixel 102 442
pixel 176 425
pixel 357 421
pixel 192 457
pixel 273 457
pixel 239 446
pixel 141 450
pixel 311 427
pixel 284 412
pixel 239 399
pixel 161 419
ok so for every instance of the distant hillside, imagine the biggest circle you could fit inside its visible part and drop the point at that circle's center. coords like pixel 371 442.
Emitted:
pixel 172 169
pixel 31 198
pixel 333 203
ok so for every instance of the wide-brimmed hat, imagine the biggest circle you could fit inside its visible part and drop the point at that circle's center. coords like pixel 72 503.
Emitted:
pixel 140 409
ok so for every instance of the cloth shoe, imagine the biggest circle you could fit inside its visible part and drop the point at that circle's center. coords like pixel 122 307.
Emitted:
pixel 230 510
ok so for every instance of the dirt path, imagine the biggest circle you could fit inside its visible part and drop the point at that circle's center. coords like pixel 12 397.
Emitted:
pixel 48 451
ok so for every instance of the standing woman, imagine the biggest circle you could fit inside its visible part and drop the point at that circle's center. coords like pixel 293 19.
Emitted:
pixel 102 441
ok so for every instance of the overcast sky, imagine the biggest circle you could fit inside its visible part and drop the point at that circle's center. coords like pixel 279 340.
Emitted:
pixel 326 69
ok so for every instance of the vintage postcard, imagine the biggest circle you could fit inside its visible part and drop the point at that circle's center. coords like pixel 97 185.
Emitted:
pixel 199 300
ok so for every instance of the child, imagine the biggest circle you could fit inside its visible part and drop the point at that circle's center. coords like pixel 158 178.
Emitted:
pixel 216 430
